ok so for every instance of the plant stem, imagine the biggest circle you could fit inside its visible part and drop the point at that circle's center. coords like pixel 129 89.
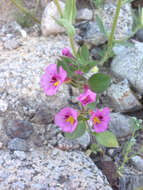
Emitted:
pixel 25 11
pixel 72 45
pixel 70 37
pixel 58 7
pixel 92 139
pixel 36 6
pixel 114 24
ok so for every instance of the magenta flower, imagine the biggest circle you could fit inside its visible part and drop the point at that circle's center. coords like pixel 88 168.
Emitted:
pixel 66 52
pixel 66 119
pixel 87 97
pixel 78 72
pixel 100 119
pixel 52 79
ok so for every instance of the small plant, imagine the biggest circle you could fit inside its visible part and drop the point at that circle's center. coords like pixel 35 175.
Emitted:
pixel 26 14
pixel 128 147
pixel 71 69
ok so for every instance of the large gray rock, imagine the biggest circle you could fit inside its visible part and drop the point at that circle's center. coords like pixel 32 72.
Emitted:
pixel 92 35
pixel 128 63
pixel 20 75
pixel 123 98
pixel 52 169
pixel 131 179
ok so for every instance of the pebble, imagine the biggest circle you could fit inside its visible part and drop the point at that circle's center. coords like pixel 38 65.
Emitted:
pixel 120 124
pixel 48 24
pixel 95 52
pixel 84 140
pixel 138 162
pixel 18 144
pixel 11 44
pixel 19 128
pixel 1 145
pixel 139 35
pixel 43 116
pixel 3 105
pixel 20 154
pixel 84 14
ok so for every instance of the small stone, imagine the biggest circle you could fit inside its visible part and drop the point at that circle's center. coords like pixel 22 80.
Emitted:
pixel 3 105
pixel 84 140
pixel 139 35
pixel 111 152
pixel 43 116
pixel 107 158
pixel 138 162
pixel 84 14
pixel 18 144
pixel 20 154
pixel 19 128
pixel 1 145
pixel 119 124
pixel 48 24
pixel 123 98
pixel 95 52
pixel 11 44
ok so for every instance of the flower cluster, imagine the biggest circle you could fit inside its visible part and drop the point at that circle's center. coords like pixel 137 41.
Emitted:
pixel 67 118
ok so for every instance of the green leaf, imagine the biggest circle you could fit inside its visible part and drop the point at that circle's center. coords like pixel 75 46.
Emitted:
pixel 101 25
pixel 88 66
pixel 106 139
pixel 65 66
pixel 79 131
pixel 68 26
pixel 81 118
pixel 70 11
pixel 126 43
pixel 99 82
pixel 94 148
pixel 84 52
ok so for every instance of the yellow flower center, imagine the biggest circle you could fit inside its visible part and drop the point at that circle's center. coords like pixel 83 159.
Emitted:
pixel 71 120
pixel 56 83
pixel 96 120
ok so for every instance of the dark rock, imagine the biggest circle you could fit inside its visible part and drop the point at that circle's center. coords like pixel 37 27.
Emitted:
pixel 139 35
pixel 19 128
pixel 95 52
pixel 18 144
pixel 43 116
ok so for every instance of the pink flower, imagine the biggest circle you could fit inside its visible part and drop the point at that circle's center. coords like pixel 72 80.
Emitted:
pixel 78 72
pixel 66 119
pixel 100 119
pixel 87 97
pixel 66 52
pixel 51 80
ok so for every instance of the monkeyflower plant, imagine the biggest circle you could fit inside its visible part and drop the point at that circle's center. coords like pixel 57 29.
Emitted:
pixel 73 122
pixel 73 68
